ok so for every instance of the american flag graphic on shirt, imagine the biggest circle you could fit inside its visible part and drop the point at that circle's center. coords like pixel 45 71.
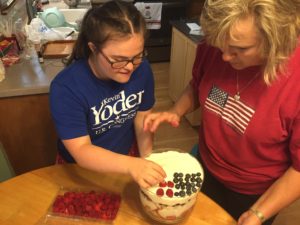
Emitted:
pixel 236 113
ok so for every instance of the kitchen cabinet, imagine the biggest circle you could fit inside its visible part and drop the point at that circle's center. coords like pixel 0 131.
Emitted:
pixel 183 52
pixel 27 132
pixel 194 8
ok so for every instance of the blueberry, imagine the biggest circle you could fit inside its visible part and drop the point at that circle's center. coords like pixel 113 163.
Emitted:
pixel 180 179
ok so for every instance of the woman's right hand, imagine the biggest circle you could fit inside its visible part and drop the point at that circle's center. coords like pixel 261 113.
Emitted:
pixel 153 120
pixel 146 173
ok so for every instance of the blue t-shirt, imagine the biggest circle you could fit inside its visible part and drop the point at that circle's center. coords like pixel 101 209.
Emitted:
pixel 81 104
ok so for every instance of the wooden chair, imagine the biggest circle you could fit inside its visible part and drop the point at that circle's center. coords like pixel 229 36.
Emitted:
pixel 195 152
pixel 6 170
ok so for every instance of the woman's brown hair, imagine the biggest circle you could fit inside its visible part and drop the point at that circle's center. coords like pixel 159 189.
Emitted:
pixel 112 20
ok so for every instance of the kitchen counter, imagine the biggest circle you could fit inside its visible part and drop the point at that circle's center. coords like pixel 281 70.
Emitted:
pixel 27 128
pixel 182 27
pixel 29 77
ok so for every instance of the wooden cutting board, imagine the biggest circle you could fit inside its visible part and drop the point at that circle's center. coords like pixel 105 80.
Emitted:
pixel 57 49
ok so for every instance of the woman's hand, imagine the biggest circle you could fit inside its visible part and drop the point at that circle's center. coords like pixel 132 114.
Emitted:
pixel 187 102
pixel 153 120
pixel 146 173
pixel 248 218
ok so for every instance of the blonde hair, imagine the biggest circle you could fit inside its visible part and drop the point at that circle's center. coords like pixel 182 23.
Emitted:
pixel 278 21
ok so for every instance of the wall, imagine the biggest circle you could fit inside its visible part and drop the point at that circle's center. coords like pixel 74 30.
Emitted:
pixel 194 8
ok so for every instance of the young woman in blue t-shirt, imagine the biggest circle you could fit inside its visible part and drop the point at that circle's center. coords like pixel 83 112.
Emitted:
pixel 98 102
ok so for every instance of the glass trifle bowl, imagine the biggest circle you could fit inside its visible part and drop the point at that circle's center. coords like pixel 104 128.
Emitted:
pixel 171 201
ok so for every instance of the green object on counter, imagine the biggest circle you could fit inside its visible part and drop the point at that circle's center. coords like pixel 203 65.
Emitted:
pixel 52 17
pixel 6 170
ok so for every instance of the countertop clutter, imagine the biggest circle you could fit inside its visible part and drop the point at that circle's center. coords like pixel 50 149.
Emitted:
pixel 39 58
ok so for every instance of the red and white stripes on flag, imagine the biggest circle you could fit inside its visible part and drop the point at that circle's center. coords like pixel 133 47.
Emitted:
pixel 236 113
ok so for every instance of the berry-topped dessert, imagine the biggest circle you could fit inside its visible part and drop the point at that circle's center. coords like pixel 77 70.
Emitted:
pixel 171 200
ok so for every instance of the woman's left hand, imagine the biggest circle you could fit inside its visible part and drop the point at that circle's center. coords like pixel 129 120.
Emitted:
pixel 248 218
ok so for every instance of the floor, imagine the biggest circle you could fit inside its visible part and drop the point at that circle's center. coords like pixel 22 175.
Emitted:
pixel 185 136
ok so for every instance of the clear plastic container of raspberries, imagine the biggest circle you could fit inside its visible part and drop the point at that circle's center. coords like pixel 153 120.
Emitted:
pixel 82 206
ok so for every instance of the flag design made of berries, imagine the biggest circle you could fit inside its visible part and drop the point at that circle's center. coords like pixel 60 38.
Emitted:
pixel 180 186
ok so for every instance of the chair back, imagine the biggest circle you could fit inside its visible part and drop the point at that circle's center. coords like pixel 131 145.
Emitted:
pixel 6 170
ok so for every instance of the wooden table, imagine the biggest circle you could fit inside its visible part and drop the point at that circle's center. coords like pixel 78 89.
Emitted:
pixel 25 199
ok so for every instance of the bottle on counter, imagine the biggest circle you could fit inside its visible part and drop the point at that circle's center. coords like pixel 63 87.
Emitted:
pixel 37 47
pixel 2 71
pixel 20 33
pixel 40 56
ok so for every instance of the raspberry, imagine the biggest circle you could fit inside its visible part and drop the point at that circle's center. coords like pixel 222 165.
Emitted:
pixel 71 210
pixel 88 208
pixel 91 204
pixel 97 206
pixel 170 184
pixel 171 218
pixel 163 184
pixel 160 192
pixel 104 207
pixel 169 193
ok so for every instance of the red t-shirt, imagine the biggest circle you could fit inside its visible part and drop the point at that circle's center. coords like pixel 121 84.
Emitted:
pixel 249 143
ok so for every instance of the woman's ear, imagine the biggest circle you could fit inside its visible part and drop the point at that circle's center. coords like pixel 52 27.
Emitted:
pixel 92 47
